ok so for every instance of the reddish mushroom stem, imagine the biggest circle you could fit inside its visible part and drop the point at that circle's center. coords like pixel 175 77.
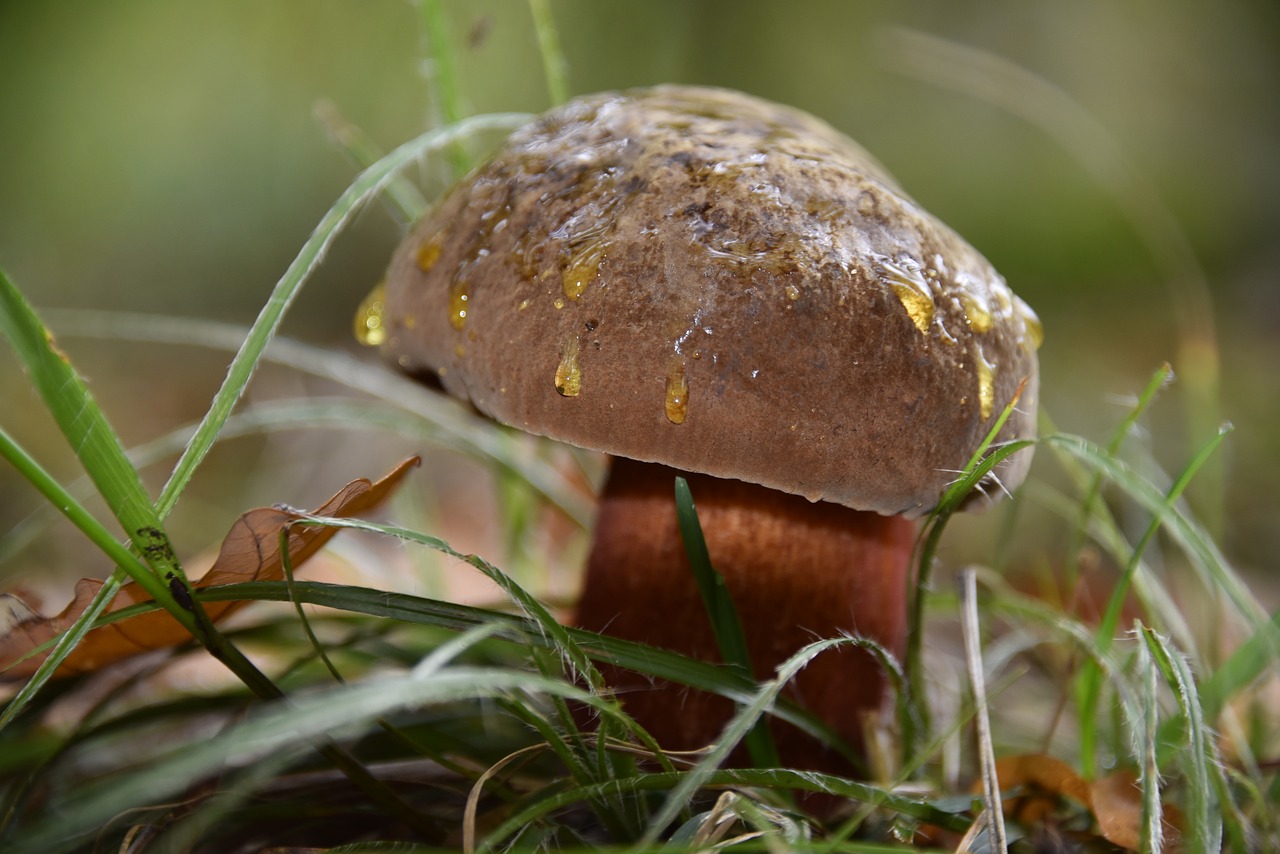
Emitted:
pixel 797 572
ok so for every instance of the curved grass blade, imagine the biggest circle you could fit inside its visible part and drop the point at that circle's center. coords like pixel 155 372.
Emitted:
pixel 1205 817
pixel 983 75
pixel 455 426
pixel 1090 679
pixel 771 778
pixel 981 464
pixel 1214 570
pixel 748 717
pixel 343 711
pixel 366 186
pixel 652 661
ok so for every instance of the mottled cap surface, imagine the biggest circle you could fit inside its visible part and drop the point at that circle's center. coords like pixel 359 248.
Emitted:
pixel 700 278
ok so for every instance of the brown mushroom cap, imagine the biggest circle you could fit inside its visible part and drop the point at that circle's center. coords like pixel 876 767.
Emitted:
pixel 700 278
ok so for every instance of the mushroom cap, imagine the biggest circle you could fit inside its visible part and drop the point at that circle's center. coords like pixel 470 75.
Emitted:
pixel 699 278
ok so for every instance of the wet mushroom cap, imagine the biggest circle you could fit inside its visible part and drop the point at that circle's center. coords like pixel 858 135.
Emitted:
pixel 699 278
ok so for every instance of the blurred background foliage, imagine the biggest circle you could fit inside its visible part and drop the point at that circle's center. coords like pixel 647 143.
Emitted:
pixel 166 157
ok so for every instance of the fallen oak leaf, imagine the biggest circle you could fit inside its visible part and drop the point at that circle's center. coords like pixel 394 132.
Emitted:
pixel 1115 801
pixel 249 552
pixel 1117 805
pixel 1045 780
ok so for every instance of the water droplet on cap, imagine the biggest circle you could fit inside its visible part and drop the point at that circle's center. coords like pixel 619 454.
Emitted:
pixel 582 269
pixel 1030 322
pixel 905 280
pixel 986 384
pixel 976 312
pixel 370 320
pixel 458 304
pixel 569 372
pixel 429 253
pixel 677 400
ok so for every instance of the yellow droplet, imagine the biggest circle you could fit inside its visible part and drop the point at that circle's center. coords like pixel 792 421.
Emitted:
pixel 976 312
pixel 986 385
pixel 459 350
pixel 559 303
pixel 569 372
pixel 911 289
pixel 370 320
pixel 1031 322
pixel 524 303
pixel 459 304
pixel 793 292
pixel 429 253
pixel 583 267
pixel 677 402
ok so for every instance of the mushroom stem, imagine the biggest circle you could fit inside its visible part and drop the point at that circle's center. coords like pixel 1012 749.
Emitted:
pixel 797 572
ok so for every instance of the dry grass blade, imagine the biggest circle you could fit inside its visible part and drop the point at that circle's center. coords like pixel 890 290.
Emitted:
pixel 986 750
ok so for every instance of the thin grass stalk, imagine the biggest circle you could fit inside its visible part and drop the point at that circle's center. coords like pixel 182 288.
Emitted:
pixel 367 185
pixel 983 75
pixel 443 79
pixel 1158 381
pixel 773 778
pixel 1152 838
pixel 1204 816
pixel 452 425
pixel 723 615
pixel 980 464
pixel 341 711
pixel 554 66
pixel 745 719
pixel 1090 679
pixel 1213 569
pixel 403 199
pixel 977 679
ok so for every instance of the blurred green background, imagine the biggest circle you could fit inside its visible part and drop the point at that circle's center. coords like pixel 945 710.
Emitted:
pixel 165 157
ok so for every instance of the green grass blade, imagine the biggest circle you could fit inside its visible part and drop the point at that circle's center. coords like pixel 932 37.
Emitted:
pixel 554 65
pixel 747 719
pixel 99 450
pixel 773 778
pixel 652 661
pixel 1090 680
pixel 711 585
pixel 78 416
pixel 404 199
pixel 450 423
pixel 1159 380
pixel 366 186
pixel 342 711
pixel 1204 818
pixel 1148 762
pixel 980 464
pixel 1214 570
pixel 443 77
pixel 126 561
pixel 1250 661
pixel 577 662
pixel 725 624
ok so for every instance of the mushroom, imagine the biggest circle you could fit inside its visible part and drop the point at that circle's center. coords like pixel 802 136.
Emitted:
pixel 699 282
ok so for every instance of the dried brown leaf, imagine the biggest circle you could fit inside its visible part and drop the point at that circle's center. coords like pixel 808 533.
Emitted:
pixel 1117 805
pixel 1045 778
pixel 1115 801
pixel 250 552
